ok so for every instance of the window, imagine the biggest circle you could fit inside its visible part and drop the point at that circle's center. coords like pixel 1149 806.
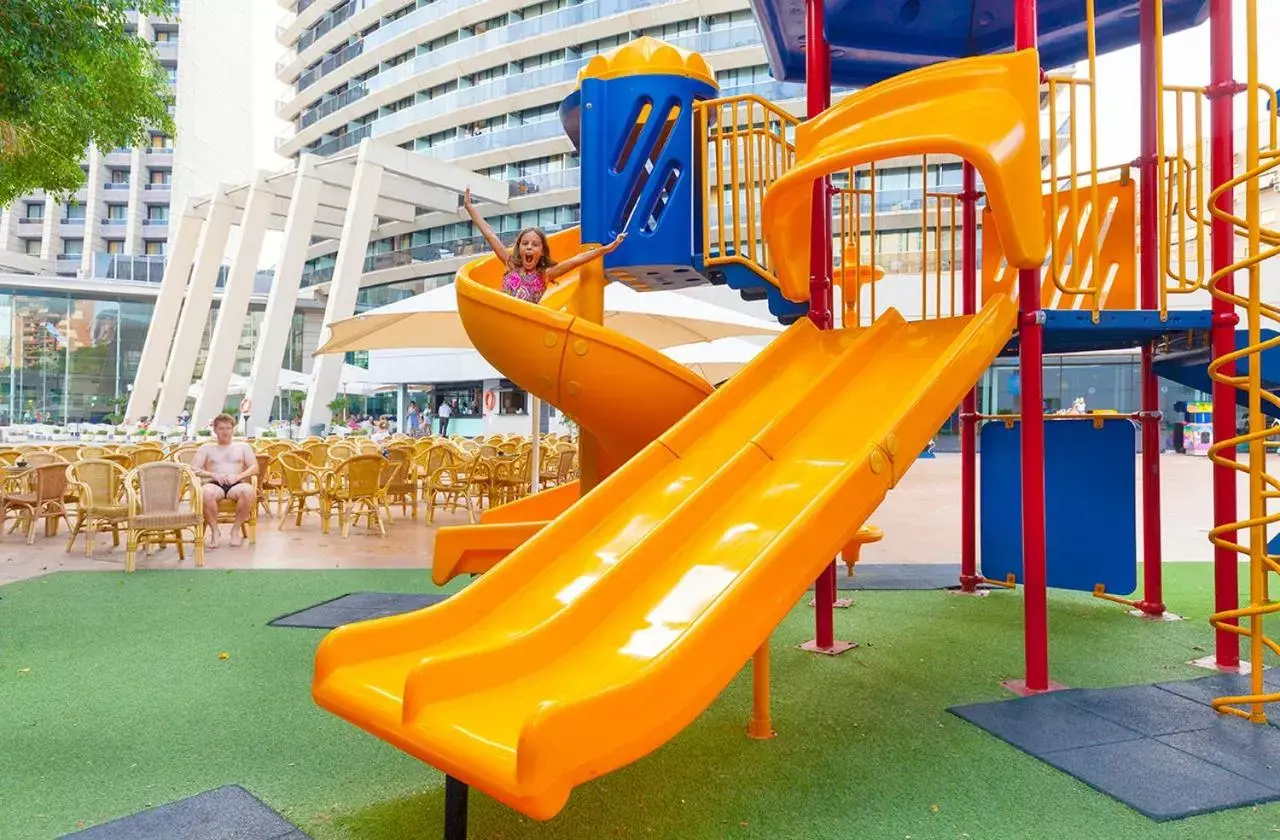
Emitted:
pixel 120 176
pixel 153 247
pixel 511 400
pixel 742 17
pixel 464 396
pixel 744 76
pixel 486 25
pixel 161 141
pixel 75 212
pixel 157 212
pixel 538 9
pixel 31 247
pixel 591 48
pixel 160 176
pixel 117 212
pixel 72 247
pixel 165 36
pixel 115 246
pixel 172 73
pixel 674 30
pixel 545 59
pixel 34 211
pixel 490 74
pixel 536 115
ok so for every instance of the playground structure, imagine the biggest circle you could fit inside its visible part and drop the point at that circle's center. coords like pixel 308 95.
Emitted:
pixel 622 606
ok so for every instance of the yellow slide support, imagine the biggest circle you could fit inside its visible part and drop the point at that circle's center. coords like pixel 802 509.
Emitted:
pixel 984 109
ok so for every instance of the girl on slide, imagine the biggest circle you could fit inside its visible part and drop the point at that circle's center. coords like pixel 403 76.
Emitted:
pixel 529 267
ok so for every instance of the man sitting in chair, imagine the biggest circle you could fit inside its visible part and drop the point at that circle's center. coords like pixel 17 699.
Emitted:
pixel 226 468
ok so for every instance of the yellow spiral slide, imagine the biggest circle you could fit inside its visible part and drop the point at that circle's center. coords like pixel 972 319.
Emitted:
pixel 610 629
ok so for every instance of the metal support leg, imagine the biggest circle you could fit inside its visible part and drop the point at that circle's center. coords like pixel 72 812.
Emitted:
pixel 455 809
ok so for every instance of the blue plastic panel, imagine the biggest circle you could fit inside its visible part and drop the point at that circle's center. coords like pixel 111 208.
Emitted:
pixel 872 40
pixel 1091 513
pixel 640 174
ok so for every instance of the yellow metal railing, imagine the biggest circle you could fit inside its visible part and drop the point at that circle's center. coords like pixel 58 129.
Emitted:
pixel 747 143
pixel 1071 275
pixel 859 260
pixel 1263 487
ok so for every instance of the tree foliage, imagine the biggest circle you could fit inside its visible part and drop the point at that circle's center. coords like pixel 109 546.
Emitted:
pixel 72 76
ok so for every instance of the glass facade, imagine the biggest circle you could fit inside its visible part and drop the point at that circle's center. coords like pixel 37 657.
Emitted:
pixel 70 359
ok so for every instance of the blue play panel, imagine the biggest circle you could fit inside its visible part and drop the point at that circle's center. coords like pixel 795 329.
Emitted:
pixel 1090 508
pixel 1159 749
pixel 872 40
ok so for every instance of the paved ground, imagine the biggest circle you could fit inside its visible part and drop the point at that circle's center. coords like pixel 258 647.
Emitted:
pixel 921 520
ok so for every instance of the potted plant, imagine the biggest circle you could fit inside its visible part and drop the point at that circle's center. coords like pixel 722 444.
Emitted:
pixel 204 432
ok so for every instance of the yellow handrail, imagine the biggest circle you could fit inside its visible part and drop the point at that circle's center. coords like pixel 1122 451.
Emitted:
pixel 1263 487
pixel 746 145
pixel 1092 288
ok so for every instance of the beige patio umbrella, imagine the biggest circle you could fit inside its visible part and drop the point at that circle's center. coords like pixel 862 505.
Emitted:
pixel 715 361
pixel 430 320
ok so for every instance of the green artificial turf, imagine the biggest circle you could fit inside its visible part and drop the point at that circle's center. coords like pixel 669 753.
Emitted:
pixel 113 699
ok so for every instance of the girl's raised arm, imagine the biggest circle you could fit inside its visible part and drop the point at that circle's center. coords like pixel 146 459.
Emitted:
pixel 495 243
pixel 577 260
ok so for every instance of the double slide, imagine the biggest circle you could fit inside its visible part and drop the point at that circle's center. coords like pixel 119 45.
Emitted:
pixel 607 631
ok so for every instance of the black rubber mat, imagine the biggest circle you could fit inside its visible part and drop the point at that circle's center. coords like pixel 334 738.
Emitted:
pixel 357 606
pixel 227 813
pixel 1160 749
pixel 898 576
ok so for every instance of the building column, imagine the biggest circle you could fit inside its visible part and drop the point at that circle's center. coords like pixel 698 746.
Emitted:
pixel 349 266
pixel 8 228
pixel 135 210
pixel 402 405
pixel 164 318
pixel 92 211
pixel 234 306
pixel 277 321
pixel 49 231
pixel 195 308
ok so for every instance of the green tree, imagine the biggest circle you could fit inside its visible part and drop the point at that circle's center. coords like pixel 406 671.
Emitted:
pixel 71 76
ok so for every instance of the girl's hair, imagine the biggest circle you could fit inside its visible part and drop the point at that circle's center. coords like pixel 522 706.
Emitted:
pixel 545 262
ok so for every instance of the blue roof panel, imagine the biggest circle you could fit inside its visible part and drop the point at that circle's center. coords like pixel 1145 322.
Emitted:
pixel 872 40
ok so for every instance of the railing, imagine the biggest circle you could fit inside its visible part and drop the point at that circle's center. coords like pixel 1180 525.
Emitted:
pixel 1185 220
pixel 325 67
pixel 705 42
pixel 326 24
pixel 332 104
pixel 749 143
pixel 113 186
pixel 1077 226
pixel 1262 244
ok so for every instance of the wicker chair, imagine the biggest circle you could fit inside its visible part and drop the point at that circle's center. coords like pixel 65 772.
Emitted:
pixel 98 485
pixel 40 458
pixel 67 451
pixel 147 455
pixel 403 483
pixel 44 498
pixel 357 487
pixel 89 451
pixel 164 504
pixel 301 483
pixel 227 512
pixel 270 482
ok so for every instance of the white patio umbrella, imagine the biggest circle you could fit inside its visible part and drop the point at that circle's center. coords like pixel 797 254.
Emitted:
pixel 715 361
pixel 430 320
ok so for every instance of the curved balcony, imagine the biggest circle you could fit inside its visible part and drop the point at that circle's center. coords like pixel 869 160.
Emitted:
pixel 431 25
pixel 492 92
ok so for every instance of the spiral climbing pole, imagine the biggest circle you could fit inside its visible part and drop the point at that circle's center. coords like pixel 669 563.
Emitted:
pixel 1248 537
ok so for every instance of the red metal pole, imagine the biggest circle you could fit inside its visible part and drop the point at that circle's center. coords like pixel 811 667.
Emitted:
pixel 818 98
pixel 1152 602
pixel 1030 365
pixel 1222 88
pixel 969 578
